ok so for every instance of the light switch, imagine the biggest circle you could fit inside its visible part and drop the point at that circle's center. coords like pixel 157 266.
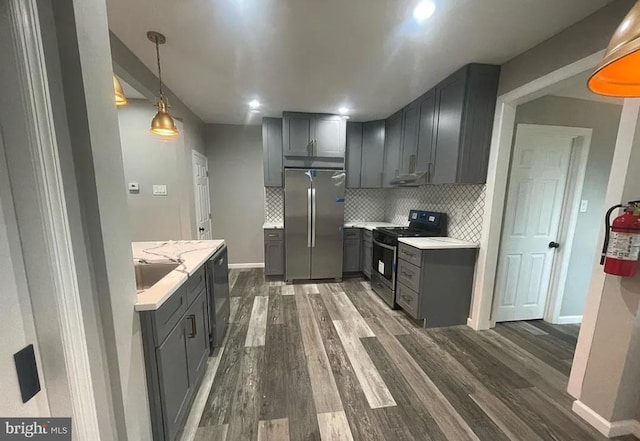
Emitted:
pixel 134 187
pixel 583 205
pixel 159 190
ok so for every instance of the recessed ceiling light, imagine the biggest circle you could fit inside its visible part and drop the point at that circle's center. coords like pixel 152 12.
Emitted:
pixel 254 104
pixel 424 10
pixel 343 110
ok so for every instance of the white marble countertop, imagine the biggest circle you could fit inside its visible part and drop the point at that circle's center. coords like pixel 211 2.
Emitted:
pixel 370 225
pixel 273 225
pixel 437 243
pixel 191 253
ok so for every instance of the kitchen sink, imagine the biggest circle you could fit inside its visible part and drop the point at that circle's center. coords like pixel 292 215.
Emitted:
pixel 148 274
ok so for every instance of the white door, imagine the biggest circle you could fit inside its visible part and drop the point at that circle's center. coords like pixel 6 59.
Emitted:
pixel 201 195
pixel 535 199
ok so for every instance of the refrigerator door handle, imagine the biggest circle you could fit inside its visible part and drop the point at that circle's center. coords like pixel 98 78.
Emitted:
pixel 313 215
pixel 309 224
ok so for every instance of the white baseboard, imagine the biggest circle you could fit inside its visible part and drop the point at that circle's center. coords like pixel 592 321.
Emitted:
pixel 569 319
pixel 607 428
pixel 246 265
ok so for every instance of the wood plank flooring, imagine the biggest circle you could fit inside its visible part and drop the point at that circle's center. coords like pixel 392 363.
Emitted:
pixel 330 361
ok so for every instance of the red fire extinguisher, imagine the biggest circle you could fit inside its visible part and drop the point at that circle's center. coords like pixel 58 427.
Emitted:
pixel 622 241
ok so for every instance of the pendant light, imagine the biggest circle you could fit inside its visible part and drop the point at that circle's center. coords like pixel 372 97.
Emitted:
pixel 618 74
pixel 121 99
pixel 162 123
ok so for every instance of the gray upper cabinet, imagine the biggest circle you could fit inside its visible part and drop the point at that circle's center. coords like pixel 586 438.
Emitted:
pixel 392 148
pixel 410 121
pixel 426 132
pixel 313 135
pixel 330 136
pixel 354 154
pixel 297 134
pixel 450 95
pixel 272 151
pixel 465 104
pixel 373 136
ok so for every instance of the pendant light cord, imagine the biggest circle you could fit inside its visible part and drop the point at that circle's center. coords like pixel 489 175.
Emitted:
pixel 159 69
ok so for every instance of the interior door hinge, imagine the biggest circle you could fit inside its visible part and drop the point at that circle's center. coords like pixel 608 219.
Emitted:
pixel 207 172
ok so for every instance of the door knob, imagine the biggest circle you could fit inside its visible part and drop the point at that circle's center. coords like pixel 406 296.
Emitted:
pixel 554 244
pixel 201 229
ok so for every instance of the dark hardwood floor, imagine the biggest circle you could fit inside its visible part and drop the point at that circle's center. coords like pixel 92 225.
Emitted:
pixel 330 361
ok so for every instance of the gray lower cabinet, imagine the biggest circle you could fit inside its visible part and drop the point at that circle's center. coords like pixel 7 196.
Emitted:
pixel 353 161
pixel 435 285
pixel 272 151
pixel 373 136
pixel 367 253
pixel 274 252
pixel 392 148
pixel 176 347
pixel 352 250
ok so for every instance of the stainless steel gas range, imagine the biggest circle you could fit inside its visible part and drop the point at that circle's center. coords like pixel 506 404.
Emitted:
pixel 385 249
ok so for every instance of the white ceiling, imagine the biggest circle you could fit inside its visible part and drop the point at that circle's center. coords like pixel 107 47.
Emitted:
pixel 316 55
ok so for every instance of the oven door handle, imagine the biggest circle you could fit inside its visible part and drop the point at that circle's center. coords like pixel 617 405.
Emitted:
pixel 389 247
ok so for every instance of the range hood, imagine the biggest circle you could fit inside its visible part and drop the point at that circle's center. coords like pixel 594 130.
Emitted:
pixel 413 178
pixel 410 180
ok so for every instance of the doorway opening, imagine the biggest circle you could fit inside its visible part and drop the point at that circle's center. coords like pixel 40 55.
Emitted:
pixel 561 157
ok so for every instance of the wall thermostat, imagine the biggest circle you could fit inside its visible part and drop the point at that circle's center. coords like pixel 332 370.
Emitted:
pixel 134 187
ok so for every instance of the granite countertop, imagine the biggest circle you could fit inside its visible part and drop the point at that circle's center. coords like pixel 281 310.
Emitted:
pixel 273 225
pixel 370 225
pixel 437 243
pixel 191 254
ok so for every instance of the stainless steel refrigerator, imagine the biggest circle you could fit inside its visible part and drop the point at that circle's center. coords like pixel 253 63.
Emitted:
pixel 313 223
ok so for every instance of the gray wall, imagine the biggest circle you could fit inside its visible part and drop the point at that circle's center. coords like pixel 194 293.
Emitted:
pixel 237 189
pixel 574 43
pixel 604 120
pixel 148 160
pixel 133 71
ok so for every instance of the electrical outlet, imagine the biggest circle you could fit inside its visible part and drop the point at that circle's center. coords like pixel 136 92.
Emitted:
pixel 159 190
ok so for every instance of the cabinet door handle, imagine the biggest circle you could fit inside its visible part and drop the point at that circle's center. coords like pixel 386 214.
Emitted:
pixel 192 320
pixel 407 253
pixel 273 235
pixel 407 274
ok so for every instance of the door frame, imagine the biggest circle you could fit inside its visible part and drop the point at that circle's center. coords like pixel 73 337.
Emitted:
pixel 197 154
pixel 568 217
pixel 497 179
pixel 49 198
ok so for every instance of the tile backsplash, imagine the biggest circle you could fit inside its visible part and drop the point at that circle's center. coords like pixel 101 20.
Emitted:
pixel 365 204
pixel 463 203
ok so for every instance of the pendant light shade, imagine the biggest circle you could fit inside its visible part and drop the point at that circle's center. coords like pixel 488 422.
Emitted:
pixel 162 123
pixel 618 74
pixel 121 99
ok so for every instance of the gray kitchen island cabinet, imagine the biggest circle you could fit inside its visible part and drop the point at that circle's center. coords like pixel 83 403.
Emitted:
pixel 272 151
pixel 435 285
pixel 367 252
pixel 274 252
pixel 176 348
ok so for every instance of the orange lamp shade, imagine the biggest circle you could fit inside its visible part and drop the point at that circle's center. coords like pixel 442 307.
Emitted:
pixel 618 74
